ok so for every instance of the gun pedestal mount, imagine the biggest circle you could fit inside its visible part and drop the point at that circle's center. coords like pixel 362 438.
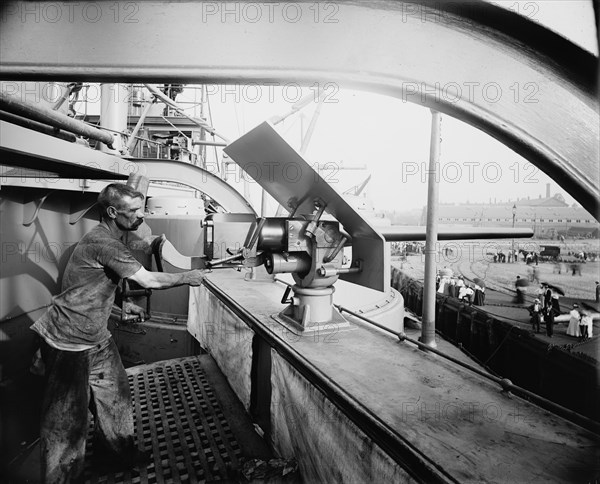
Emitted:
pixel 311 310
pixel 312 251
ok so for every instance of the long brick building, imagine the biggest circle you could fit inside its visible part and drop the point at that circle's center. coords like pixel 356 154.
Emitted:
pixel 549 217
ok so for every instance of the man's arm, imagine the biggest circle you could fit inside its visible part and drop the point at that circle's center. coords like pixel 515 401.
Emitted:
pixel 164 280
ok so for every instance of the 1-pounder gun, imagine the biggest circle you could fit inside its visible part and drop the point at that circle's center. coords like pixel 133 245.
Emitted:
pixel 310 248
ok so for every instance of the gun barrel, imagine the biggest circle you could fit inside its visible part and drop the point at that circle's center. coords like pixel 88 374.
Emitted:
pixel 400 233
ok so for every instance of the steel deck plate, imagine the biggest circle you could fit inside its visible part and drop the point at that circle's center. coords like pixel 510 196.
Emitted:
pixel 179 420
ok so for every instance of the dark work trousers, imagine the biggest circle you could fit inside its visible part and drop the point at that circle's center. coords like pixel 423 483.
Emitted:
pixel 520 296
pixel 76 381
pixel 549 318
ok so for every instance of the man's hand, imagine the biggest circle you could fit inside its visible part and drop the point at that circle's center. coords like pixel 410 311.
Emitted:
pixel 131 308
pixel 165 280
pixel 194 278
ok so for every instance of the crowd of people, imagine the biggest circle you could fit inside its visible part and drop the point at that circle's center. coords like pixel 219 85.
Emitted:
pixel 510 257
pixel 456 286
pixel 544 310
pixel 513 256
pixel 546 307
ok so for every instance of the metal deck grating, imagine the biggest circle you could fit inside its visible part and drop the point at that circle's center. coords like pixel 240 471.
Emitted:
pixel 178 419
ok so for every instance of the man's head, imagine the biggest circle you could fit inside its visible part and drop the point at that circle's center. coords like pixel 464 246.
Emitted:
pixel 123 205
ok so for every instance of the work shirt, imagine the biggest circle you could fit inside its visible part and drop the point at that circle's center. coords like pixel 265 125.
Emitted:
pixel 78 317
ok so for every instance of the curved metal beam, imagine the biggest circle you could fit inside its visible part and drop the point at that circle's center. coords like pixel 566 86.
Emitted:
pixel 524 85
pixel 199 179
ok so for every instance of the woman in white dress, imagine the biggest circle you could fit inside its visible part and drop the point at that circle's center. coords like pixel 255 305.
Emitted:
pixel 466 294
pixel 573 329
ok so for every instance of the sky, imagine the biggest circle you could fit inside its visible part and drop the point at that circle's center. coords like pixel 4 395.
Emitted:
pixel 390 138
